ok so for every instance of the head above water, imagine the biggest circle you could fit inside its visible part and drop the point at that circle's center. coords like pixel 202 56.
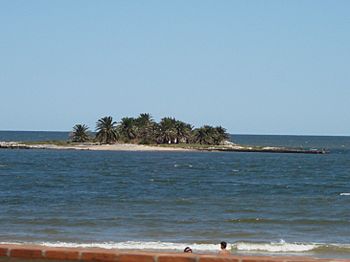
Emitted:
pixel 188 250
pixel 223 245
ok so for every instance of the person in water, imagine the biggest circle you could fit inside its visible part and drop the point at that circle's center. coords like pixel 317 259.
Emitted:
pixel 188 250
pixel 224 251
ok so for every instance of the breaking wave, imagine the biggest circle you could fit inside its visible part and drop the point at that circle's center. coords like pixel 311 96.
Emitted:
pixel 284 247
pixel 240 247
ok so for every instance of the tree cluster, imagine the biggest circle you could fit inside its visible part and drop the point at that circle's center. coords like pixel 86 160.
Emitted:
pixel 144 130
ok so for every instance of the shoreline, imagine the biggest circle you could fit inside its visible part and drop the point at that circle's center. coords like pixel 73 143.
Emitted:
pixel 92 147
pixel 40 253
pixel 156 148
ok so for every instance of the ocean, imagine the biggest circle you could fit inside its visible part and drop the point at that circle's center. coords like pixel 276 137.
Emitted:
pixel 260 203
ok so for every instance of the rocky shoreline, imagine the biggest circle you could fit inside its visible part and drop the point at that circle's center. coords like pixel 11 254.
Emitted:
pixel 269 149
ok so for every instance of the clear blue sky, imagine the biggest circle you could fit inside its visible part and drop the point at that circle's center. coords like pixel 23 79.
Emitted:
pixel 254 67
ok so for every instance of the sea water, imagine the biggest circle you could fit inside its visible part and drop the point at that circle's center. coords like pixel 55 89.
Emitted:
pixel 260 203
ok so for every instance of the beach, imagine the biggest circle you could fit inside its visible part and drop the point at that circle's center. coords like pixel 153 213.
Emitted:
pixel 89 146
pixel 109 147
pixel 230 147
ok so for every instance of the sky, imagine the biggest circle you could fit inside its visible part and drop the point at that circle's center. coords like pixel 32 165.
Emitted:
pixel 253 67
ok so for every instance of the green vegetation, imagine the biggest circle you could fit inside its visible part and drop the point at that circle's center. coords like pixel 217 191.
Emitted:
pixel 106 130
pixel 80 133
pixel 144 130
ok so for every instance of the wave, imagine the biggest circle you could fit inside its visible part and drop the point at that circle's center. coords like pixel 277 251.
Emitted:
pixel 286 221
pixel 240 247
pixel 273 247
pixel 344 194
pixel 284 247
pixel 133 245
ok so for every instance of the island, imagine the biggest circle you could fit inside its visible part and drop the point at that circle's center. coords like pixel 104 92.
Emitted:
pixel 144 134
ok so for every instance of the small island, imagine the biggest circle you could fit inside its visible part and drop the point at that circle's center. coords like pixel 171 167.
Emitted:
pixel 144 134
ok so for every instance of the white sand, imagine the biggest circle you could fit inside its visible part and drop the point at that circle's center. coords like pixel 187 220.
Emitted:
pixel 113 147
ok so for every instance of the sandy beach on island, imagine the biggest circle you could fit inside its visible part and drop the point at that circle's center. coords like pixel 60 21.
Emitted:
pixel 119 147
pixel 102 147
pixel 163 148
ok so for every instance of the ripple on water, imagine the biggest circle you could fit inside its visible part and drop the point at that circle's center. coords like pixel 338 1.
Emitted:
pixel 183 196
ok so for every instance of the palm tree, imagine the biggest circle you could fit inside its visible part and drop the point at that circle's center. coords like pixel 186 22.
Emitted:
pixel 209 135
pixel 106 130
pixel 200 135
pixel 80 133
pixel 127 128
pixel 205 135
pixel 144 119
pixel 146 129
pixel 221 135
pixel 167 130
pixel 183 132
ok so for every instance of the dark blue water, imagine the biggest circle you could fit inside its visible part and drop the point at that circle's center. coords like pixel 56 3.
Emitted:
pixel 26 136
pixel 258 202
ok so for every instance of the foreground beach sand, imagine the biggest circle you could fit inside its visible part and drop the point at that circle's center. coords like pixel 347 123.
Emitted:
pixel 8 252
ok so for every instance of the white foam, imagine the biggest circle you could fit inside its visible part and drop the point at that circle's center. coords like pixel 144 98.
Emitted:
pixel 281 246
pixel 344 194
pixel 273 247
pixel 134 245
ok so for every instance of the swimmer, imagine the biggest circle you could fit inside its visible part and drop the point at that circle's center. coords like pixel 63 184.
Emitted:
pixel 224 251
pixel 188 250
